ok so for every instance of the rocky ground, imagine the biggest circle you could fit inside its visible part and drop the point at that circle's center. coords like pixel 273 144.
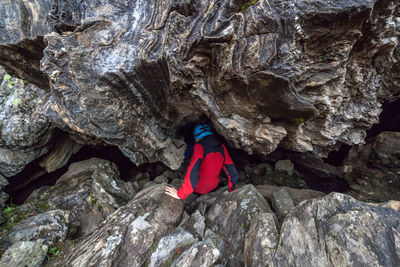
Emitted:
pixel 92 218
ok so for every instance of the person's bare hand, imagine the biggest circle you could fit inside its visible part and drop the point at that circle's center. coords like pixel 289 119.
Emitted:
pixel 171 192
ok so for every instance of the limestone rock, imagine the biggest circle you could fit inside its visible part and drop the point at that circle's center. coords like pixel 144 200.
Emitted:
pixel 285 166
pixel 238 209
pixel 23 25
pixel 168 246
pixel 24 253
pixel 127 237
pixel 204 253
pixel 373 170
pixel 261 241
pixel 90 189
pixel 59 155
pixel 297 195
pixel 338 230
pixel 307 77
pixel 25 132
pixel 282 203
pixel 51 227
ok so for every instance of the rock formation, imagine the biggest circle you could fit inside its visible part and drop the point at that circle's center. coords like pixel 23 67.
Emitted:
pixel 25 133
pixel 305 76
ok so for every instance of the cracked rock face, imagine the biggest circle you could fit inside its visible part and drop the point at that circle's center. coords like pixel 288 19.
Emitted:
pixel 25 133
pixel 305 76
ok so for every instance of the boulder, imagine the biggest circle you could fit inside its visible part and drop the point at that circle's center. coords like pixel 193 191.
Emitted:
pixel 297 195
pixel 203 253
pixel 338 230
pixel 230 216
pixel 282 203
pixel 50 227
pixel 372 170
pixel 25 133
pixel 24 253
pixel 285 166
pixel 261 241
pixel 128 236
pixel 90 189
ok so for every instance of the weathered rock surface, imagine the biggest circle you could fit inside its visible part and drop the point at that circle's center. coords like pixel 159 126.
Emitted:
pixel 3 197
pixel 25 132
pixel 60 153
pixel 305 76
pixel 23 25
pixel 282 203
pixel 261 241
pixel 230 217
pixel 127 237
pixel 373 169
pixel 90 189
pixel 24 253
pixel 338 230
pixel 297 195
pixel 50 227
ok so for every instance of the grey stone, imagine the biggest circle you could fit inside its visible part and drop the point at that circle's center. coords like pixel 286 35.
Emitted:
pixel 167 247
pixel 24 253
pixel 25 133
pixel 338 230
pixel 127 237
pixel 261 241
pixel 285 166
pixel 90 189
pixel 195 224
pixel 3 182
pixel 204 253
pixel 161 179
pixel 230 216
pixel 60 153
pixel 319 105
pixel 282 203
pixel 297 195
pixel 51 227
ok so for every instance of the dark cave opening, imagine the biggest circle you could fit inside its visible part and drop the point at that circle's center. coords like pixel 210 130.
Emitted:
pixel 19 190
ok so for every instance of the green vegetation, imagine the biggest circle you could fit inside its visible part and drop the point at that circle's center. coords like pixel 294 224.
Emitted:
pixel 10 210
pixel 44 206
pixel 54 251
pixel 246 5
pixel 298 121
pixel 92 199
pixel 11 82
pixel 44 195
pixel 169 262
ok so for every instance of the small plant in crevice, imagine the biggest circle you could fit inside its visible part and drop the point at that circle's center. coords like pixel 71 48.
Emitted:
pixel 11 82
pixel 248 4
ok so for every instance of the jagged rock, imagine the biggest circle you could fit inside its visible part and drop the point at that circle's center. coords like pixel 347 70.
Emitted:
pixel 282 203
pixel 22 28
pixel 373 170
pixel 230 216
pixel 161 180
pixel 228 63
pixel 261 241
pixel 195 224
pixel 60 153
pixel 127 237
pixel 285 166
pixel 25 132
pixel 3 198
pixel 204 253
pixel 90 189
pixel 24 253
pixel 168 246
pixel 297 195
pixel 51 227
pixel 338 230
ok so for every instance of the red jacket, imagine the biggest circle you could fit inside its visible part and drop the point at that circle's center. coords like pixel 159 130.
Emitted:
pixel 209 157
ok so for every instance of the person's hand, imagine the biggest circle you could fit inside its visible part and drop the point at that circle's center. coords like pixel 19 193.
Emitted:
pixel 171 192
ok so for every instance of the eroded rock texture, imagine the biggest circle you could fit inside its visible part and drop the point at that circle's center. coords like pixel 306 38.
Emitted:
pixel 25 133
pixel 298 74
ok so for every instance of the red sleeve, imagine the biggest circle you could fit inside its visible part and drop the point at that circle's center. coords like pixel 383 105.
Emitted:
pixel 230 170
pixel 192 174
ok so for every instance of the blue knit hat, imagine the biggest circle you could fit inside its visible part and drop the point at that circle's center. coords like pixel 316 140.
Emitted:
pixel 201 130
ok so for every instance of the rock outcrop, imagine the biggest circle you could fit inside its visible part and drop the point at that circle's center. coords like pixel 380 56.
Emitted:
pixel 25 253
pixel 25 131
pixel 373 169
pixel 128 236
pixel 90 190
pixel 305 76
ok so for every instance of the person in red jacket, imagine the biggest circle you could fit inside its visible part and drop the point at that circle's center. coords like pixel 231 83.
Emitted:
pixel 209 157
